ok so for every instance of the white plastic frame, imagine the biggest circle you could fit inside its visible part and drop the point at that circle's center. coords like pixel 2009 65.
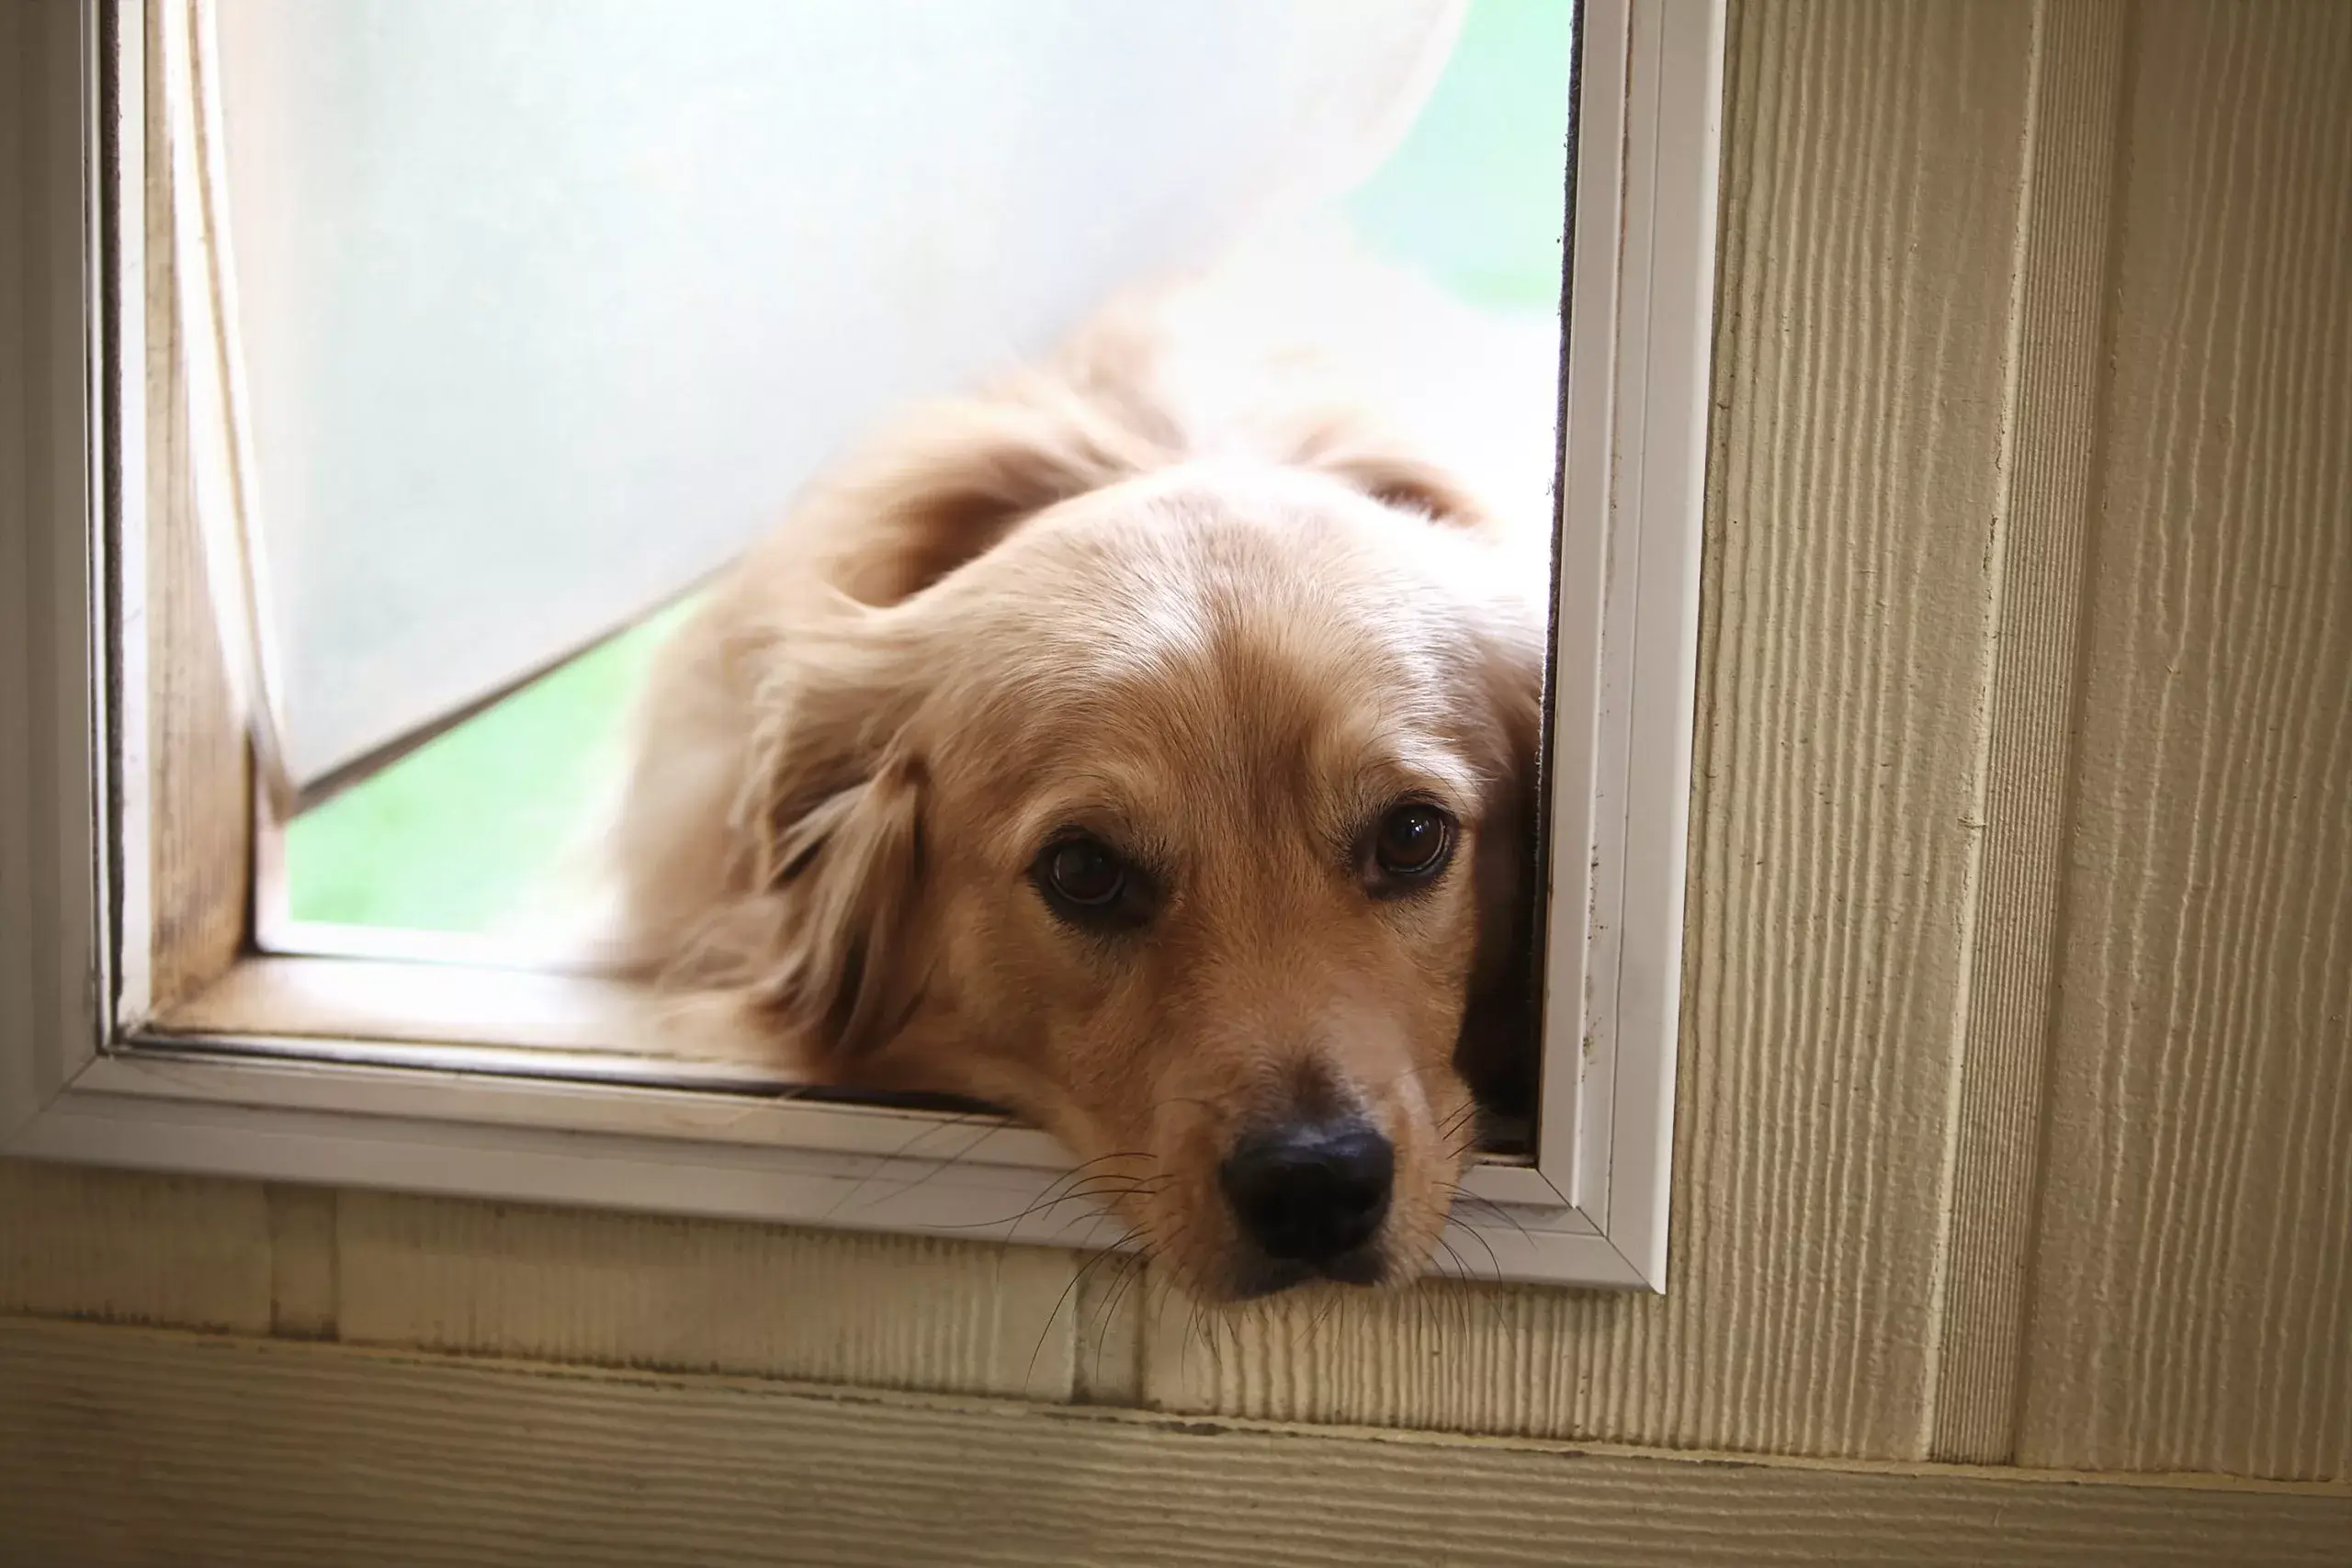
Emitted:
pixel 80 1079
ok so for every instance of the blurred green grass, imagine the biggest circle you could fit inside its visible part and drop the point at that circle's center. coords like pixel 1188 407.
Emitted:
pixel 1473 196
pixel 465 833
pixel 458 835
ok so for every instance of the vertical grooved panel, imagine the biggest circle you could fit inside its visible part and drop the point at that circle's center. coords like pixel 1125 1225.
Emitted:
pixel 2193 1306
pixel 621 1290
pixel 129 1248
pixel 2044 528
pixel 1874 175
pixel 302 1261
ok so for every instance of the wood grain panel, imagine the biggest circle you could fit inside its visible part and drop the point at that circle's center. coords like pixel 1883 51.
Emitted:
pixel 2040 544
pixel 136 1447
pixel 621 1290
pixel 124 1248
pixel 2194 1300
pixel 1873 174
pixel 201 796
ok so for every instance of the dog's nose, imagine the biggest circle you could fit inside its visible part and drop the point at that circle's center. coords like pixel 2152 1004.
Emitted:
pixel 1309 1191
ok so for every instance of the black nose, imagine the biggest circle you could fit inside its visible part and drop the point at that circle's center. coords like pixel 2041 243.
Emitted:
pixel 1310 1191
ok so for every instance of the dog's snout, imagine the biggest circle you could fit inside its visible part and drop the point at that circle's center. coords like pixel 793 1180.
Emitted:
pixel 1310 1191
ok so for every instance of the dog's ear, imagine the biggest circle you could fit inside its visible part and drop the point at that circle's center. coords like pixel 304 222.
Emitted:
pixel 1364 459
pixel 828 829
pixel 1406 483
pixel 845 880
pixel 949 481
pixel 1496 1053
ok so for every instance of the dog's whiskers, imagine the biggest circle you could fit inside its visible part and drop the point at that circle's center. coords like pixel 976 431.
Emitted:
pixel 1069 1291
pixel 1138 1263
pixel 1457 1193
pixel 1083 1194
pixel 1077 1184
pixel 889 1160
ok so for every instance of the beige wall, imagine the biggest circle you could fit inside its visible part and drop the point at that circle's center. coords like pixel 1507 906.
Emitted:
pixel 2015 1117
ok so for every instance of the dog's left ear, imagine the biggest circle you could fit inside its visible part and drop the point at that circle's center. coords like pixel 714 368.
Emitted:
pixel 1406 483
pixel 1365 460
pixel 1497 1052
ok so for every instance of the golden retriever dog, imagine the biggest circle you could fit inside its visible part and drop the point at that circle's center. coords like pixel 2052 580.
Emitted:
pixel 1144 744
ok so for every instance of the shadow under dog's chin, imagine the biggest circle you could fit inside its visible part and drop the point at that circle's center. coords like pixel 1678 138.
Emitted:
pixel 1258 1278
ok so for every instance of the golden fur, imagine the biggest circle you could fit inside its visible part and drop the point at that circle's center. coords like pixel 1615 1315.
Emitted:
pixel 1220 624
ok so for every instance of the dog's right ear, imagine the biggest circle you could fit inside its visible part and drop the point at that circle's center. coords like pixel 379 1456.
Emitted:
pixel 828 825
pixel 846 882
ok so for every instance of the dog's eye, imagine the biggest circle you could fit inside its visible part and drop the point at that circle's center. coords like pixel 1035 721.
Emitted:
pixel 1413 842
pixel 1092 886
pixel 1082 876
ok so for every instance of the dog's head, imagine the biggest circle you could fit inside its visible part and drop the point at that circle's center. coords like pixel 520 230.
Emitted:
pixel 1188 819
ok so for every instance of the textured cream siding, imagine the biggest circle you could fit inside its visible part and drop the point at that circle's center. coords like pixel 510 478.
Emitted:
pixel 2193 1306
pixel 2037 554
pixel 2015 1116
pixel 1874 165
